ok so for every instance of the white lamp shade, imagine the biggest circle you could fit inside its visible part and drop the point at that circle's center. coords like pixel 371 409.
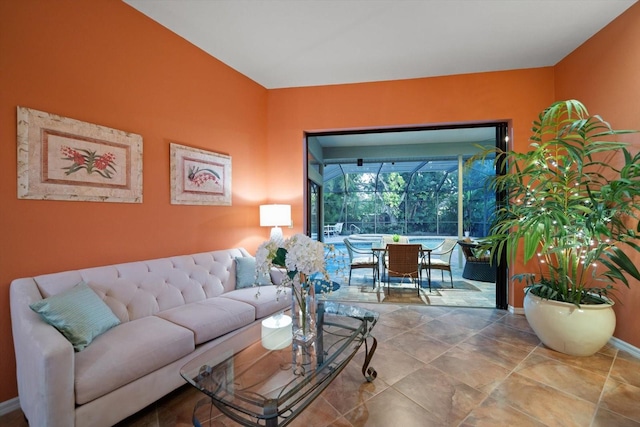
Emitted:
pixel 275 215
pixel 276 332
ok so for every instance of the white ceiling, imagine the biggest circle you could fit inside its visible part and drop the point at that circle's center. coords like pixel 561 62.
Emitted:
pixel 293 43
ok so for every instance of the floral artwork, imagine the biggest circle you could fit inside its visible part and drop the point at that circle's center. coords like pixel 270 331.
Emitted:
pixel 203 177
pixel 65 159
pixel 90 161
pixel 199 177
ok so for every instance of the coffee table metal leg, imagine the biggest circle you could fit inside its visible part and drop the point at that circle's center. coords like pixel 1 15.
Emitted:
pixel 194 418
pixel 369 373
pixel 271 413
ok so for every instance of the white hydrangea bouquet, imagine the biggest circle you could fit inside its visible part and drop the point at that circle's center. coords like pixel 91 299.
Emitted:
pixel 302 258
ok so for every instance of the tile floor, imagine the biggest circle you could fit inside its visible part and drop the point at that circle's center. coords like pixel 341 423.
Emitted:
pixel 451 366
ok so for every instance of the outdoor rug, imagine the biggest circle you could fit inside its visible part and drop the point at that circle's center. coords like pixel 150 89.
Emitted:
pixel 398 293
pixel 460 285
pixel 446 285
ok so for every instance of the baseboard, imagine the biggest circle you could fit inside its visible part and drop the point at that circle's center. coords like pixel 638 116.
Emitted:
pixel 9 406
pixel 625 346
pixel 516 310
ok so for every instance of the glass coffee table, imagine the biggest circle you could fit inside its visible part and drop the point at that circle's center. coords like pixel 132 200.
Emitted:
pixel 260 387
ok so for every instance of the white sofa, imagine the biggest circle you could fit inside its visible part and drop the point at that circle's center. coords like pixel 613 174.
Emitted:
pixel 170 309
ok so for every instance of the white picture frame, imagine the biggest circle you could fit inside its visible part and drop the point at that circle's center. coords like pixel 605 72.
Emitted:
pixel 60 158
pixel 199 177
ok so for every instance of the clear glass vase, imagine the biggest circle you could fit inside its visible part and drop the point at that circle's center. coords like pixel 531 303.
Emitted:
pixel 303 310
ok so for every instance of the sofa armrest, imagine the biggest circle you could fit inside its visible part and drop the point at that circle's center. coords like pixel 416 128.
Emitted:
pixel 44 361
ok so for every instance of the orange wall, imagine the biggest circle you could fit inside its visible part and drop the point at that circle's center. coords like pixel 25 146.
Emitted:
pixel 517 96
pixel 603 73
pixel 103 62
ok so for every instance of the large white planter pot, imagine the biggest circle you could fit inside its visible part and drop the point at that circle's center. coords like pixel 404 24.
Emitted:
pixel 569 329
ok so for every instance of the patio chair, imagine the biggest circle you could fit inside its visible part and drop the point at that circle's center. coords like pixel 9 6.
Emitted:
pixel 441 260
pixel 337 229
pixel 333 230
pixel 361 258
pixel 404 262
pixel 387 239
pixel 477 265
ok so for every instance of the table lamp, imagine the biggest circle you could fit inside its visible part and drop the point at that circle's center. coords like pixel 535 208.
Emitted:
pixel 275 216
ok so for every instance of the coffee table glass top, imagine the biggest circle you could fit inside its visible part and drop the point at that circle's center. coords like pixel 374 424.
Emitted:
pixel 260 387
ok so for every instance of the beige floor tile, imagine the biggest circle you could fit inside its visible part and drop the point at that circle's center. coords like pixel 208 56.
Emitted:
pixel 606 418
pixel 622 398
pixel 579 382
pixel 599 363
pixel 516 321
pixel 493 413
pixel 626 369
pixel 384 332
pixel 415 344
pixel 472 318
pixel 447 398
pixel 318 414
pixel 515 337
pixel 472 370
pixel 446 332
pixel 350 389
pixel 390 408
pixel 498 352
pixel 391 363
pixel 546 404
pixel 429 312
pixel 404 319
pixel 340 422
pixel 608 350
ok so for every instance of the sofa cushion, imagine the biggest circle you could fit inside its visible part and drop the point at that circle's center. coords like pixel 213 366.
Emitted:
pixel 211 318
pixel 78 313
pixel 267 302
pixel 246 273
pixel 126 353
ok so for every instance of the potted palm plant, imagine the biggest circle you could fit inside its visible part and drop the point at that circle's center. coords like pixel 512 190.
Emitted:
pixel 573 204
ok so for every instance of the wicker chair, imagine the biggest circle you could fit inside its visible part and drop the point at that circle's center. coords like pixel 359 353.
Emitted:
pixel 441 260
pixel 361 258
pixel 478 266
pixel 387 239
pixel 404 261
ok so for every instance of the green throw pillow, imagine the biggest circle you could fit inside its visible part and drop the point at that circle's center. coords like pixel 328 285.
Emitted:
pixel 79 314
pixel 246 273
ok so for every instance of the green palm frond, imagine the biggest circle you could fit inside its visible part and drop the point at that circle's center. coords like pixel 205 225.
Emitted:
pixel 568 205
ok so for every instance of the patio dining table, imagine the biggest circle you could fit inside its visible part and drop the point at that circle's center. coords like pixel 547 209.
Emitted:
pixel 379 249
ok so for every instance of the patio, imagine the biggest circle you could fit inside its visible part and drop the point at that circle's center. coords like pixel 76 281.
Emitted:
pixel 465 293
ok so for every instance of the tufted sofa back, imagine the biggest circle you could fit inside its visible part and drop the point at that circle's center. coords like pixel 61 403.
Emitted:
pixel 144 288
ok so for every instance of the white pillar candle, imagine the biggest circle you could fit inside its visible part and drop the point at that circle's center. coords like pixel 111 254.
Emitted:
pixel 276 332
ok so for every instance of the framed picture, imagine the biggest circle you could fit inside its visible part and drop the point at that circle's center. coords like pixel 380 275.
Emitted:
pixel 199 177
pixel 65 159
